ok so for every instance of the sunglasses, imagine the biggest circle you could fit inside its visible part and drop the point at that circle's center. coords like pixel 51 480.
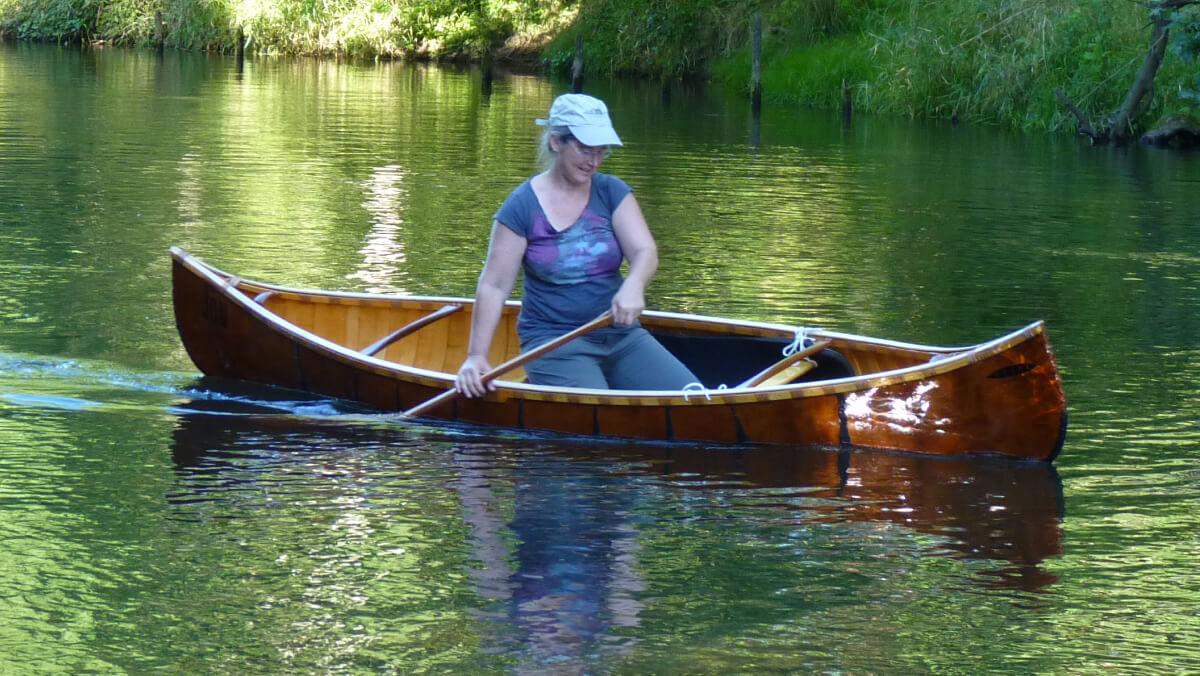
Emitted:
pixel 594 152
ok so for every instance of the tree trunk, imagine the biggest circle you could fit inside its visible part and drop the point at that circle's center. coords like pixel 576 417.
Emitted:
pixel 1119 126
pixel 1137 101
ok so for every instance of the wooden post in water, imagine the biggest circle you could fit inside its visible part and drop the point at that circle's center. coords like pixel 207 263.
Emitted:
pixel 756 66
pixel 486 65
pixel 577 66
pixel 160 32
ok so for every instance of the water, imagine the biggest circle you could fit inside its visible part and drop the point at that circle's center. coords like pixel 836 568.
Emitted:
pixel 154 520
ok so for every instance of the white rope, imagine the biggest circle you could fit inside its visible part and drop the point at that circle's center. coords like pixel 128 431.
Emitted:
pixel 699 387
pixel 797 342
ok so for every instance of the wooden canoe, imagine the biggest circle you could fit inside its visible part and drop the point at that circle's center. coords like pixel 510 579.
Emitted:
pixel 1001 397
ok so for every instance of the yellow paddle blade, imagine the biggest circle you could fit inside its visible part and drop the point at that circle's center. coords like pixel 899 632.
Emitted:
pixel 790 373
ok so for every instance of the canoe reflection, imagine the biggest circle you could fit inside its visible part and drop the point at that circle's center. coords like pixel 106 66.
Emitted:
pixel 545 524
pixel 983 508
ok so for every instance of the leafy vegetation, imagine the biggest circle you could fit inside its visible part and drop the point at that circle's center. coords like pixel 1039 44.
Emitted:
pixel 678 38
pixel 352 28
pixel 1185 22
pixel 992 61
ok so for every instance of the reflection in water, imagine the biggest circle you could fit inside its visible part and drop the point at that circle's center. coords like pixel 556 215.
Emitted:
pixel 985 509
pixel 556 555
pixel 281 545
pixel 383 256
pixel 555 536
pixel 551 550
pixel 335 549
pixel 191 190
pixel 558 560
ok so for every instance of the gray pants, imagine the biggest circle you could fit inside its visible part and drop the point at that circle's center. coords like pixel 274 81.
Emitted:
pixel 632 360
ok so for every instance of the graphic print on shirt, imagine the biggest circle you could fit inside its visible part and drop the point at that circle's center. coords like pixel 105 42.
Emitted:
pixel 587 249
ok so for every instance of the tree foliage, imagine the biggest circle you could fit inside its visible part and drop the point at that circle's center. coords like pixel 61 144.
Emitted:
pixel 356 28
pixel 993 61
pixel 1120 126
pixel 1184 22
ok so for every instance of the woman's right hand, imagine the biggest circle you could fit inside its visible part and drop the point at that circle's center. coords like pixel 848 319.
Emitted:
pixel 469 381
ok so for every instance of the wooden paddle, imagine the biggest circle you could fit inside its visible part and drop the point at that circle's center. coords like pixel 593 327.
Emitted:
pixel 764 375
pixel 519 360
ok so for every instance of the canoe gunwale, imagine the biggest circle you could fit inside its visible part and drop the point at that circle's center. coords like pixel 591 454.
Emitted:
pixel 243 292
pixel 964 357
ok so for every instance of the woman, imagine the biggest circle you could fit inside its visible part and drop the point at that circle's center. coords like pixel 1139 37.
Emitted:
pixel 569 228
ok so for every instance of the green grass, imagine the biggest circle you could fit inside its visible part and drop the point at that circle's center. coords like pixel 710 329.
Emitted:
pixel 991 61
pixel 811 75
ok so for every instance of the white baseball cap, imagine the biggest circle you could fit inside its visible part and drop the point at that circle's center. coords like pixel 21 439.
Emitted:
pixel 586 117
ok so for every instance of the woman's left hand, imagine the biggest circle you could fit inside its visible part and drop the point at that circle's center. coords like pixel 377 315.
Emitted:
pixel 627 304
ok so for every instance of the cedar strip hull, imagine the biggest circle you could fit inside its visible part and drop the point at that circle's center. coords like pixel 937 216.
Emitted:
pixel 1002 397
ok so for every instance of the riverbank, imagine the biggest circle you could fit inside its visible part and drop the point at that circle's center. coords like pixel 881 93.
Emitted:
pixel 993 62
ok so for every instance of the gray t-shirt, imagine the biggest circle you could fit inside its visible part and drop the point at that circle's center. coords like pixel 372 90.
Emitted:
pixel 570 276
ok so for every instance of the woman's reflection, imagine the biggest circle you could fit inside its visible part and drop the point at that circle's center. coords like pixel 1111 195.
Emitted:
pixel 556 556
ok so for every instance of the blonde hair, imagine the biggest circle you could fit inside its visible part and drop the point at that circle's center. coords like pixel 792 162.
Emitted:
pixel 546 155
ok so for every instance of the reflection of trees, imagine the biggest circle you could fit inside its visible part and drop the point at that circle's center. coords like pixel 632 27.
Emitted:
pixel 56 585
pixel 382 267
pixel 303 548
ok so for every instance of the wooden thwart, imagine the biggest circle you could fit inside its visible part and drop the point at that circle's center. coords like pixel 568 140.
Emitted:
pixel 767 375
pixel 409 328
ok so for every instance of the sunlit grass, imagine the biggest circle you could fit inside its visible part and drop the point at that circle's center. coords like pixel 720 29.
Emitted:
pixel 994 61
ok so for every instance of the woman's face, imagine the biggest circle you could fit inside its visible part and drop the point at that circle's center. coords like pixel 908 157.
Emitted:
pixel 577 159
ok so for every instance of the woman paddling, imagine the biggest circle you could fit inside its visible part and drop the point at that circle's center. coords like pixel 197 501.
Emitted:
pixel 569 228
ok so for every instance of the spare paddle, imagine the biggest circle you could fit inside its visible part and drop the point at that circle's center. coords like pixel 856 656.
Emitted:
pixel 764 375
pixel 519 360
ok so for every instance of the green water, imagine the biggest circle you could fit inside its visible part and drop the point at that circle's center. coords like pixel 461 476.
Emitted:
pixel 152 521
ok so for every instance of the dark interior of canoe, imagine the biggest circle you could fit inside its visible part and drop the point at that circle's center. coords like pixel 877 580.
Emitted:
pixel 423 333
pixel 728 360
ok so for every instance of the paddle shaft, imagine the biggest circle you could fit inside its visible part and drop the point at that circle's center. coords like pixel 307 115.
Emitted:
pixel 786 362
pixel 519 360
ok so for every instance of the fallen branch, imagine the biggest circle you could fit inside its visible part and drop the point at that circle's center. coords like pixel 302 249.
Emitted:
pixel 1084 125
